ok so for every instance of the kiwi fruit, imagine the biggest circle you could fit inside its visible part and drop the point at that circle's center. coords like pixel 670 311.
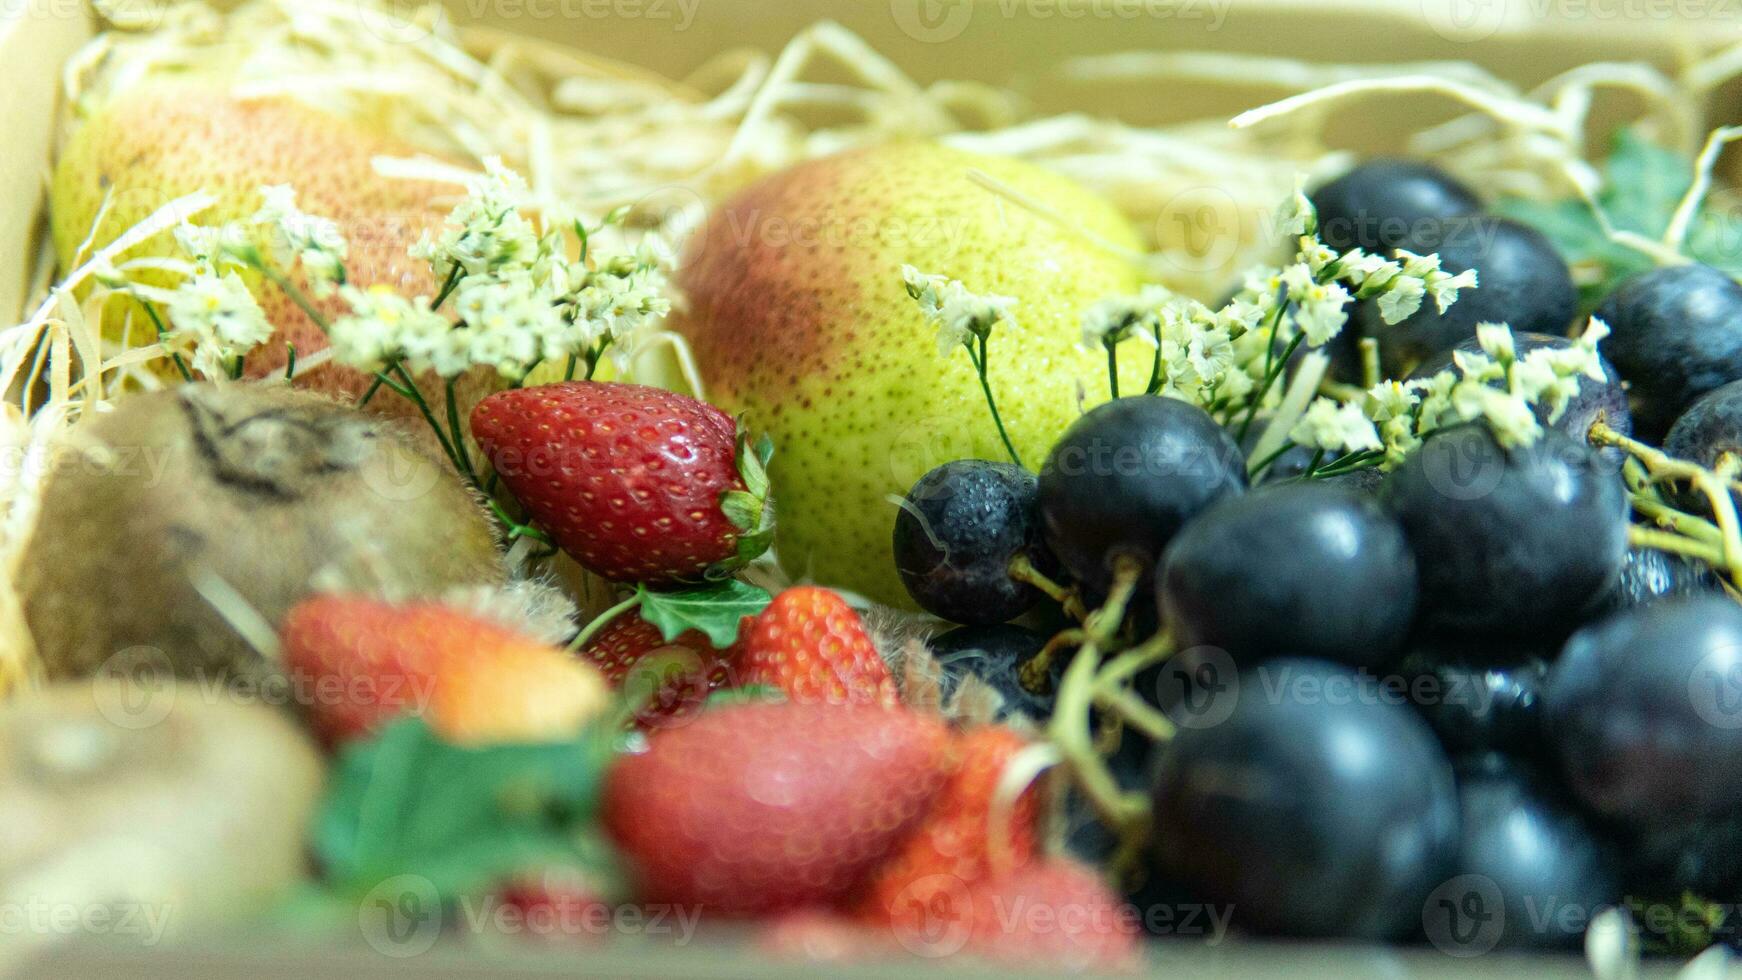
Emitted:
pixel 168 808
pixel 180 527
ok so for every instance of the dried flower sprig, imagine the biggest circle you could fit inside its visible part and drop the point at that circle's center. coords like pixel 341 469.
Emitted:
pixel 1496 386
pixel 964 319
pixel 518 300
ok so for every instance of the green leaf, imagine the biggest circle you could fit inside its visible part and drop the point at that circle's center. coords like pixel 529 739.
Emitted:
pixel 715 609
pixel 743 509
pixel 408 803
pixel 1643 183
pixel 1642 186
pixel 753 461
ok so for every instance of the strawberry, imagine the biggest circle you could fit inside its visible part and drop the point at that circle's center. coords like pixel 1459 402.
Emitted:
pixel 632 654
pixel 1052 915
pixel 823 936
pixel 358 662
pixel 559 904
pixel 765 807
pixel 957 843
pixel 812 646
pixel 638 484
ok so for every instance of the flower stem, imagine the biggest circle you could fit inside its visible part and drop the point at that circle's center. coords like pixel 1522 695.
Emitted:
pixel 295 293
pixel 1370 373
pixel 602 620
pixel 1154 384
pixel 991 403
pixel 459 435
pixel 408 388
pixel 447 289
pixel 1113 368
pixel 374 386
pixel 289 363
pixel 157 321
pixel 1254 469
pixel 1269 359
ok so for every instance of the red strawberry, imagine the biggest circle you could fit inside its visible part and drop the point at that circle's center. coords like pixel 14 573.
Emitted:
pixel 957 844
pixel 1052 915
pixel 765 807
pixel 358 662
pixel 812 646
pixel 632 653
pixel 822 936
pixel 559 904
pixel 638 484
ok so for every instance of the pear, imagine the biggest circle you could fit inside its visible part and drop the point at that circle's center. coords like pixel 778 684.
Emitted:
pixel 798 316
pixel 164 138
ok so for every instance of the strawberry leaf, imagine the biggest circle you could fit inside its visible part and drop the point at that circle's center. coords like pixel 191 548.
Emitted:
pixel 715 609
pixel 459 818
pixel 753 461
pixel 743 509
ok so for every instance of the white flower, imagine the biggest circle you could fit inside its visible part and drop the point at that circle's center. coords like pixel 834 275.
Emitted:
pixel 294 235
pixel 958 313
pixel 1319 308
pixel 485 232
pixel 1316 255
pixel 1495 339
pixel 1511 418
pixel 1400 299
pixel 222 318
pixel 1444 289
pixel 1389 400
pixel 380 326
pixel 1297 215
pixel 212 247
pixel 510 322
pixel 1112 321
pixel 1418 266
pixel 1335 426
pixel 1360 268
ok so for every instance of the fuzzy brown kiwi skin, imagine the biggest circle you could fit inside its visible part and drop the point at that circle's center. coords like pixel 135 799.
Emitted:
pixel 272 492
pixel 198 806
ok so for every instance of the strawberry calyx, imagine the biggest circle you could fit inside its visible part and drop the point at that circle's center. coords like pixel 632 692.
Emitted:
pixel 748 509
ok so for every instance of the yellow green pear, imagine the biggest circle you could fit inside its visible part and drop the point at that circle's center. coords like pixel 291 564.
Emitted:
pixel 164 138
pixel 797 314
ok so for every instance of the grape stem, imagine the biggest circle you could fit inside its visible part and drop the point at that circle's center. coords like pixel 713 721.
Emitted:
pixel 1685 532
pixel 1071 721
pixel 1023 570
